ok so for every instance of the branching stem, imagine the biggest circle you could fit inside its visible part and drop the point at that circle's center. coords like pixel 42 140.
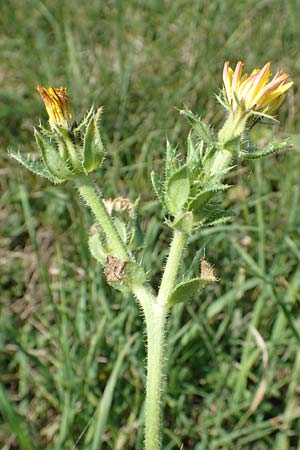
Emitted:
pixel 95 203
pixel 155 309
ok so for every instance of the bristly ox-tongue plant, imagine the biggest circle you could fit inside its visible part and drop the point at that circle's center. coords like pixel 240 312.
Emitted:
pixel 188 192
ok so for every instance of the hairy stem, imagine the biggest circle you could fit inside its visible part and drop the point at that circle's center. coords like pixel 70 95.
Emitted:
pixel 156 310
pixel 95 203
pixel 155 324
pixel 171 268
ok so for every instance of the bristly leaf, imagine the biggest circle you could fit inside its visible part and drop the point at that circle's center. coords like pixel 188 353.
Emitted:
pixel 194 152
pixel 97 249
pixel 178 190
pixel 223 218
pixel 52 160
pixel 200 128
pixel 184 223
pixel 137 237
pixel 255 154
pixel 158 188
pixel 171 160
pixel 84 122
pixel 184 291
pixel 93 149
pixel 204 196
pixel 35 167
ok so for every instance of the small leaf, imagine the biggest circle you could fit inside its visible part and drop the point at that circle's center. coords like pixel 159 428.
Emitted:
pixel 265 152
pixel 84 122
pixel 121 227
pixel 137 236
pixel 205 196
pixel 157 186
pixel 184 223
pixel 134 274
pixel 52 160
pixel 93 149
pixel 194 151
pixel 35 167
pixel 200 128
pixel 186 290
pixel 171 161
pixel 224 218
pixel 97 249
pixel 68 149
pixel 178 190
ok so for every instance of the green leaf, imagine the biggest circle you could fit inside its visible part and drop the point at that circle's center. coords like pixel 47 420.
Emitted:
pixel 93 149
pixel 17 425
pixel 68 150
pixel 186 290
pixel 194 152
pixel 184 223
pixel 171 160
pixel 224 217
pixel 52 160
pixel 265 152
pixel 84 122
pixel 35 167
pixel 205 196
pixel 137 237
pixel 98 425
pixel 178 190
pixel 96 248
pixel 134 274
pixel 200 128
pixel 158 188
pixel 121 227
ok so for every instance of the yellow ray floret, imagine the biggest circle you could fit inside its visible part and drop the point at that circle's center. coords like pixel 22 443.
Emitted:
pixel 58 106
pixel 254 92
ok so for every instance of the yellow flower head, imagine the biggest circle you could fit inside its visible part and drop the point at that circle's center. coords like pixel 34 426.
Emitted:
pixel 254 93
pixel 58 106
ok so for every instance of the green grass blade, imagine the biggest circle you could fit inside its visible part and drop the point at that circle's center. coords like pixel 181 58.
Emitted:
pixel 15 421
pixel 105 404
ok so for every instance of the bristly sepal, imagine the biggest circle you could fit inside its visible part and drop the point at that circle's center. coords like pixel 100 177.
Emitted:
pixel 55 164
pixel 93 148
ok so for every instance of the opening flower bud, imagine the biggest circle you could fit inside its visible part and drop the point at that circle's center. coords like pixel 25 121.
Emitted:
pixel 250 95
pixel 254 93
pixel 58 106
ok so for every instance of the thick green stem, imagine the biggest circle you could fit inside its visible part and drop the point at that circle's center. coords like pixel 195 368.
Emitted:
pixel 95 203
pixel 155 317
pixel 156 311
pixel 155 323
pixel 232 128
pixel 171 268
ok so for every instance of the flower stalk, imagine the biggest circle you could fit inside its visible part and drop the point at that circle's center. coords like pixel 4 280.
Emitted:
pixel 95 203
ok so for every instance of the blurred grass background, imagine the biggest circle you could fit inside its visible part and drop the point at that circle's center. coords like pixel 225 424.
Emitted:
pixel 67 340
